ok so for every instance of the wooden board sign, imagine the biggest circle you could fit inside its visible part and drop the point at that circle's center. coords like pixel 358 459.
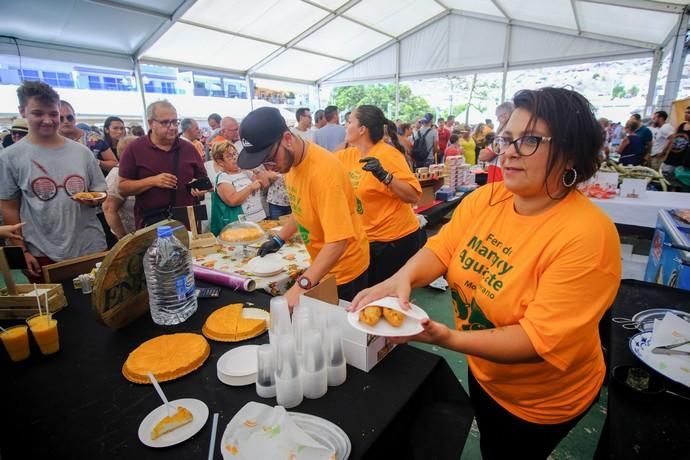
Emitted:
pixel 119 292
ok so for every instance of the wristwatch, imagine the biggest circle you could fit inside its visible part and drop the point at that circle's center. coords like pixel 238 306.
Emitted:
pixel 304 282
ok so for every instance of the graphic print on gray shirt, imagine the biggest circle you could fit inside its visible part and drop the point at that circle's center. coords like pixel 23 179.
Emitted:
pixel 44 179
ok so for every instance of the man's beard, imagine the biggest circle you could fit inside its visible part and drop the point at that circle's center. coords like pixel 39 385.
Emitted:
pixel 289 160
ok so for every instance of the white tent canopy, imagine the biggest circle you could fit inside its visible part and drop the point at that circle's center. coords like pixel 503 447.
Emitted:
pixel 335 41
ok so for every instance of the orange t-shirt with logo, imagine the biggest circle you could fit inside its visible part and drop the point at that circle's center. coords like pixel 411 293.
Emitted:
pixel 386 217
pixel 325 208
pixel 555 274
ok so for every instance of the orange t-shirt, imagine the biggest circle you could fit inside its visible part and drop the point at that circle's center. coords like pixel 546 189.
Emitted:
pixel 386 217
pixel 555 274
pixel 325 208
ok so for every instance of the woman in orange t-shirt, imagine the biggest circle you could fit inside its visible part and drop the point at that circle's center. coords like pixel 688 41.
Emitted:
pixel 385 189
pixel 532 265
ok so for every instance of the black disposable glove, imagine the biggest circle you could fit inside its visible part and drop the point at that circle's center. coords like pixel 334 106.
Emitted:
pixel 272 245
pixel 373 165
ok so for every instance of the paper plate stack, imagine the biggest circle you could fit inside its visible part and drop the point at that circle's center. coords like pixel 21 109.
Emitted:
pixel 238 366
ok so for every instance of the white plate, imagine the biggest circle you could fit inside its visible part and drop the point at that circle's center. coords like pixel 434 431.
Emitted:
pixel 199 412
pixel 268 265
pixel 236 381
pixel 675 367
pixel 410 326
pixel 239 362
pixel 325 433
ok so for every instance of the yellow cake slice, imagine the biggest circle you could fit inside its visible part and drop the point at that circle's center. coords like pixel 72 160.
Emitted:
pixel 170 423
pixel 249 327
pixel 228 325
pixel 167 356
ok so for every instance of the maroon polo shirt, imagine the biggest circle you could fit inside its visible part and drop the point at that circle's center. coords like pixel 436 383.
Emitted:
pixel 144 159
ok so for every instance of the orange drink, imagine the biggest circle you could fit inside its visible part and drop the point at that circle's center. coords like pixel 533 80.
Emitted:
pixel 45 333
pixel 16 341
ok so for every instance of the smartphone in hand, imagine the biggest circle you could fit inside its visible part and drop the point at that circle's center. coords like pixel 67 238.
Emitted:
pixel 202 183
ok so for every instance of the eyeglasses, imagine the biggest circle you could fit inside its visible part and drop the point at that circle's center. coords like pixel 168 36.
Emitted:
pixel 524 146
pixel 69 118
pixel 167 123
pixel 19 133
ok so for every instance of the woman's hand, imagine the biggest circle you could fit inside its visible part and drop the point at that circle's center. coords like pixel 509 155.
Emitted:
pixel 434 333
pixel 395 286
pixel 256 185
pixel 11 231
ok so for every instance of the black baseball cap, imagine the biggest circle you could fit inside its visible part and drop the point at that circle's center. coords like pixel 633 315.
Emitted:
pixel 259 132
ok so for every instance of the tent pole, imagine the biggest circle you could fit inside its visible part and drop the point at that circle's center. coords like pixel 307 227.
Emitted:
pixel 506 58
pixel 675 71
pixel 651 89
pixel 140 85
pixel 397 81
pixel 318 96
pixel 250 91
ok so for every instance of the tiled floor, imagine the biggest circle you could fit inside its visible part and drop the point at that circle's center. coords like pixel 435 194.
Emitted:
pixel 582 440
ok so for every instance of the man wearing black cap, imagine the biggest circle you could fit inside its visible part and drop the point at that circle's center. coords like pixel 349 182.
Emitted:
pixel 324 208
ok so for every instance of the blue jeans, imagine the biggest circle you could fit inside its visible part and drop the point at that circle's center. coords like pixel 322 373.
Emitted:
pixel 275 211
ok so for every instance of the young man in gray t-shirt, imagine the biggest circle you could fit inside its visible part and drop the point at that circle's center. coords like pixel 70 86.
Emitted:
pixel 39 177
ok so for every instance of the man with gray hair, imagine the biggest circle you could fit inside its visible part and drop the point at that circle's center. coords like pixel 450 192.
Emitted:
pixel 229 131
pixel 192 133
pixel 156 168
pixel 319 119
pixel 503 113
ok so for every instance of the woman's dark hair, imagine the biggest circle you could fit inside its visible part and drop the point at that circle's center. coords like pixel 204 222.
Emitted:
pixel 106 135
pixel 374 120
pixel 576 136
pixel 454 137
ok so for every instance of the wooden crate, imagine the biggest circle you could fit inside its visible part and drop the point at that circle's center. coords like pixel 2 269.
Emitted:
pixel 22 306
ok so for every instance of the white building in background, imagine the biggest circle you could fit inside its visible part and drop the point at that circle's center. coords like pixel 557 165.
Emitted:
pixel 98 92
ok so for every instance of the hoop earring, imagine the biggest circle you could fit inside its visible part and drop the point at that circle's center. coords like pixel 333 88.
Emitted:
pixel 569 182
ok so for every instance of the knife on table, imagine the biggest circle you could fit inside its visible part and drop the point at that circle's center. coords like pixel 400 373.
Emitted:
pixel 670 349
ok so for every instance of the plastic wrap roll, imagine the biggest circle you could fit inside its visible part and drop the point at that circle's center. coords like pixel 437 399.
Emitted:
pixel 224 279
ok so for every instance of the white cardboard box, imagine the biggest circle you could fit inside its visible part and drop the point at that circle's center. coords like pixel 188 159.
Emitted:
pixel 362 350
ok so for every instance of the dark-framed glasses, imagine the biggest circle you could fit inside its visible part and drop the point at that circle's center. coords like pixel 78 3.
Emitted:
pixel 524 146
pixel 69 118
pixel 168 123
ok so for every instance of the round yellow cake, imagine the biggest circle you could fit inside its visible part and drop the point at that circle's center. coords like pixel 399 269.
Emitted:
pixel 167 356
pixel 227 324
pixel 241 234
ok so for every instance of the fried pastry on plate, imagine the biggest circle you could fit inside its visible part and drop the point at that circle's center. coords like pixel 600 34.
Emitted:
pixel 370 315
pixel 394 317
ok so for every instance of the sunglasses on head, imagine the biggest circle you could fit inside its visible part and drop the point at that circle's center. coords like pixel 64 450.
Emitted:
pixel 69 118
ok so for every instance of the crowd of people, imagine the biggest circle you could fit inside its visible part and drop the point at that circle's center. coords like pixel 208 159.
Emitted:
pixel 654 143
pixel 513 253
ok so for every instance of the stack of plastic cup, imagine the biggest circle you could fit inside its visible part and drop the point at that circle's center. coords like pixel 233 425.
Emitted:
pixel 266 371
pixel 335 358
pixel 288 382
pixel 280 319
pixel 301 324
pixel 314 370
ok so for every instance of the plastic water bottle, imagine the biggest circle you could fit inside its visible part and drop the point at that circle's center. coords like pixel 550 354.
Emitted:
pixel 169 279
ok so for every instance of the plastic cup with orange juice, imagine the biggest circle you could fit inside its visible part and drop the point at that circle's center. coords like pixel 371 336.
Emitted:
pixel 16 341
pixel 45 331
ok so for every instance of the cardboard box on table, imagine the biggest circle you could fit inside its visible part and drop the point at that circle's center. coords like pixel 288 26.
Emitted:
pixel 362 350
